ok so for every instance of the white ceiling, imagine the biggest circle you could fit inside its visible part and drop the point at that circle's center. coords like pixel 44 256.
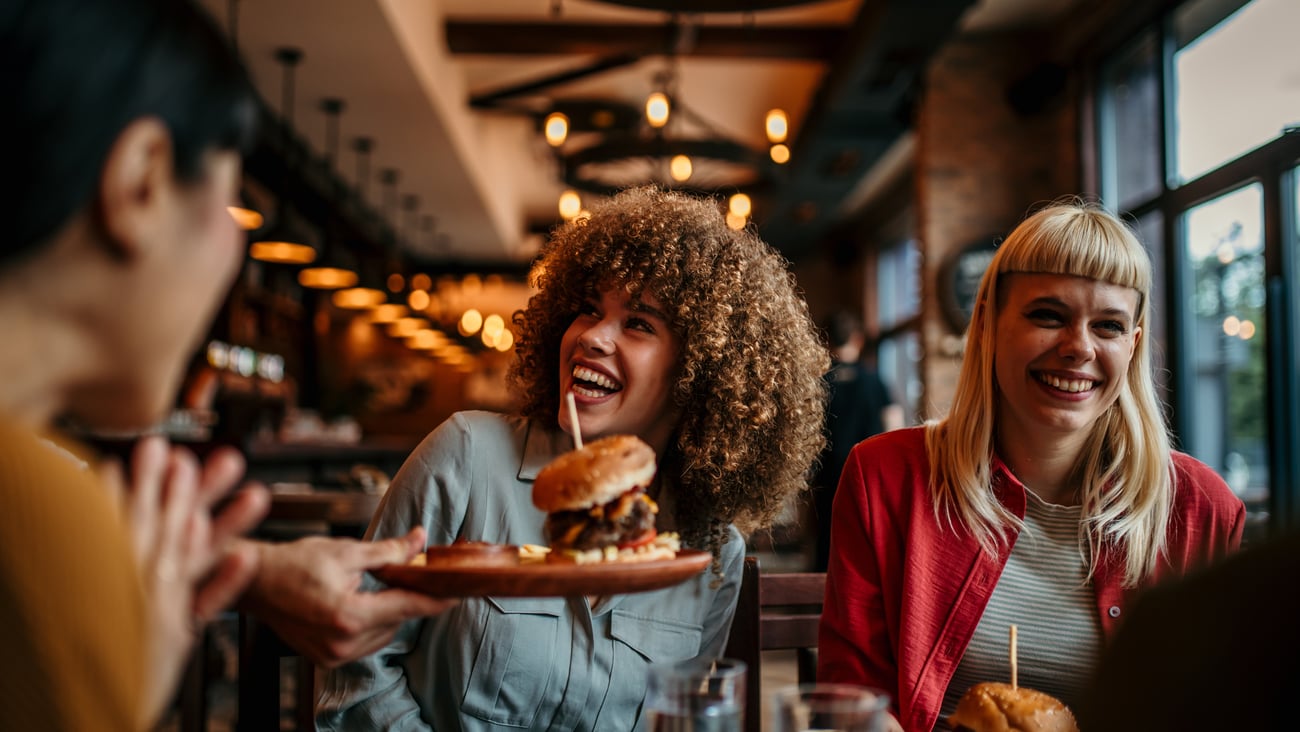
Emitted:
pixel 486 175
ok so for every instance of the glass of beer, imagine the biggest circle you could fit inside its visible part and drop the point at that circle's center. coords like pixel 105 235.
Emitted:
pixel 830 708
pixel 696 695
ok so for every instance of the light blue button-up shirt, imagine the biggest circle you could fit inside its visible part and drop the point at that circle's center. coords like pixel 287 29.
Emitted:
pixel 505 663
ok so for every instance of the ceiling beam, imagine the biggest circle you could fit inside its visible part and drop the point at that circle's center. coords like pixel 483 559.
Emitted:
pixel 813 43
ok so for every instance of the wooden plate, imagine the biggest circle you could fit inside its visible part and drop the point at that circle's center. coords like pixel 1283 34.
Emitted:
pixel 542 579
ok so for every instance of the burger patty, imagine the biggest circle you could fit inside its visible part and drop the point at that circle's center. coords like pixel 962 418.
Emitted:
pixel 597 528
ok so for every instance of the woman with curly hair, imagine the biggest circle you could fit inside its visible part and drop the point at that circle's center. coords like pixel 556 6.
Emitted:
pixel 662 323
pixel 1046 498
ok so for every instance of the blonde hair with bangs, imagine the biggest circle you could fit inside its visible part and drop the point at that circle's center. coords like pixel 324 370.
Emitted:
pixel 1125 472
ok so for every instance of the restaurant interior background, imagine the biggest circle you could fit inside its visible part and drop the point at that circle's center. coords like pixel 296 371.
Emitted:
pixel 405 145
pixel 405 151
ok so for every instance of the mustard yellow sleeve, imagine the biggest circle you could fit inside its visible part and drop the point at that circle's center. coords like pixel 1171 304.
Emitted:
pixel 72 613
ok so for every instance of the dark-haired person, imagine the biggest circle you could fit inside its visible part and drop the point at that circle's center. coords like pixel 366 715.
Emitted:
pixel 1216 650
pixel 124 122
pixel 665 324
pixel 860 406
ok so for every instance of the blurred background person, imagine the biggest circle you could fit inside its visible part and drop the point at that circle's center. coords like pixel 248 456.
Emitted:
pixel 860 406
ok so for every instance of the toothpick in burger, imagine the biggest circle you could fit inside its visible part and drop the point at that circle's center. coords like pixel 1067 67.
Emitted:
pixel 596 503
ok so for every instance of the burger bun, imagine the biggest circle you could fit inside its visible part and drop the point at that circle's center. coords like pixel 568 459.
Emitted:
pixel 594 475
pixel 994 707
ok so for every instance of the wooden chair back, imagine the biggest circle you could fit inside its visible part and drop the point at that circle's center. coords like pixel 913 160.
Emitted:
pixel 775 612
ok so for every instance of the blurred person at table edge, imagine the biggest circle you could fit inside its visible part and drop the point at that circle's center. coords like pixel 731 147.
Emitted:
pixel 1047 498
pixel 860 406
pixel 662 323
pixel 125 124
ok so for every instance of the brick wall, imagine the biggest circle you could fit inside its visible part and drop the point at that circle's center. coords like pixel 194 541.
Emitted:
pixel 980 166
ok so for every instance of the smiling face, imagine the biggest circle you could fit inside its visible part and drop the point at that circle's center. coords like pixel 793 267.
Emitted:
pixel 1063 345
pixel 620 360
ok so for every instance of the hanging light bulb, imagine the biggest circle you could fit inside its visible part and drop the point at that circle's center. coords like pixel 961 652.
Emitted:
pixel 556 128
pixel 246 218
pixel 470 322
pixel 570 204
pixel 740 205
pixel 680 168
pixel 418 299
pixel 657 109
pixel 735 222
pixel 396 282
pixel 357 298
pixel 387 313
pixel 327 278
pixel 780 154
pixel 777 126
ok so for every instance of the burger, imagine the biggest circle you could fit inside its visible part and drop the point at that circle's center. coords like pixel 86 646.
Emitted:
pixel 993 707
pixel 596 505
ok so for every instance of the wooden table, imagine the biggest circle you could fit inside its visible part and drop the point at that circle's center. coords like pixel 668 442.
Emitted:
pixel 336 508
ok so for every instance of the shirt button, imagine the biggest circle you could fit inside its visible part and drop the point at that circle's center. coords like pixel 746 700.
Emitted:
pixel 1113 611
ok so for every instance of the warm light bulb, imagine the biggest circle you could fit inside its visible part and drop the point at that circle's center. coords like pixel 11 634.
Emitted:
pixel 282 252
pixel 505 341
pixel 777 126
pixel 406 327
pixel 357 298
pixel 740 205
pixel 493 325
pixel 327 278
pixel 418 299
pixel 245 218
pixel 470 322
pixel 556 129
pixel 570 204
pixel 656 109
pixel 396 282
pixel 387 313
pixel 421 281
pixel 780 154
pixel 680 167
pixel 735 222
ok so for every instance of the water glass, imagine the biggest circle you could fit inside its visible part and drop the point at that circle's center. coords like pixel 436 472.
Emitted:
pixel 696 695
pixel 830 708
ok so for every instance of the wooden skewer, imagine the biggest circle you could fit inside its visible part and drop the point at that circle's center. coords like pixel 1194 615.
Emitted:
pixel 573 420
pixel 1013 658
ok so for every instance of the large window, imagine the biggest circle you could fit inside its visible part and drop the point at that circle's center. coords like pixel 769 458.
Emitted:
pixel 1197 147
pixel 898 302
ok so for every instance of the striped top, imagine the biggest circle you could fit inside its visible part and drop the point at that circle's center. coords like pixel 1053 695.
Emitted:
pixel 1045 593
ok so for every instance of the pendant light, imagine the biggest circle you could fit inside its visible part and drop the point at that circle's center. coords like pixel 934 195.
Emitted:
pixel 245 215
pixel 331 275
pixel 285 243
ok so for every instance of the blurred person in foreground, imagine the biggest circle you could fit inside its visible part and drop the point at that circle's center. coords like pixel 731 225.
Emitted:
pixel 1214 651
pixel 860 406
pixel 662 323
pixel 1046 499
pixel 125 125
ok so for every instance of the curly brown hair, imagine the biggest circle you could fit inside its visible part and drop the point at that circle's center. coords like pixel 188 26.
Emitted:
pixel 750 389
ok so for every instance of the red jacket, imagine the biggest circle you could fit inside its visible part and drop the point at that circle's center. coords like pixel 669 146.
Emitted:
pixel 903 595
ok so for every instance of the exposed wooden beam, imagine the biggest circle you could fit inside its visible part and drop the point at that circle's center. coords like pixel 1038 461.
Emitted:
pixel 814 43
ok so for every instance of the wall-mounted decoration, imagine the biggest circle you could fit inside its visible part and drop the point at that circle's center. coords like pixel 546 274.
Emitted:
pixel 959 281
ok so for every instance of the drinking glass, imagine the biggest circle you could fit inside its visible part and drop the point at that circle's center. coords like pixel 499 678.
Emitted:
pixel 830 708
pixel 696 695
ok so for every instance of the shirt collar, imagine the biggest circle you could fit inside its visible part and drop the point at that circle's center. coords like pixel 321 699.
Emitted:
pixel 541 446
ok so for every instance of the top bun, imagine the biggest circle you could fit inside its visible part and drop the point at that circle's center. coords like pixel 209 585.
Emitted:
pixel 992 707
pixel 594 475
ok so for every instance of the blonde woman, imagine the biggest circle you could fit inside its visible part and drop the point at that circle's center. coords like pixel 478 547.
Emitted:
pixel 1046 498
